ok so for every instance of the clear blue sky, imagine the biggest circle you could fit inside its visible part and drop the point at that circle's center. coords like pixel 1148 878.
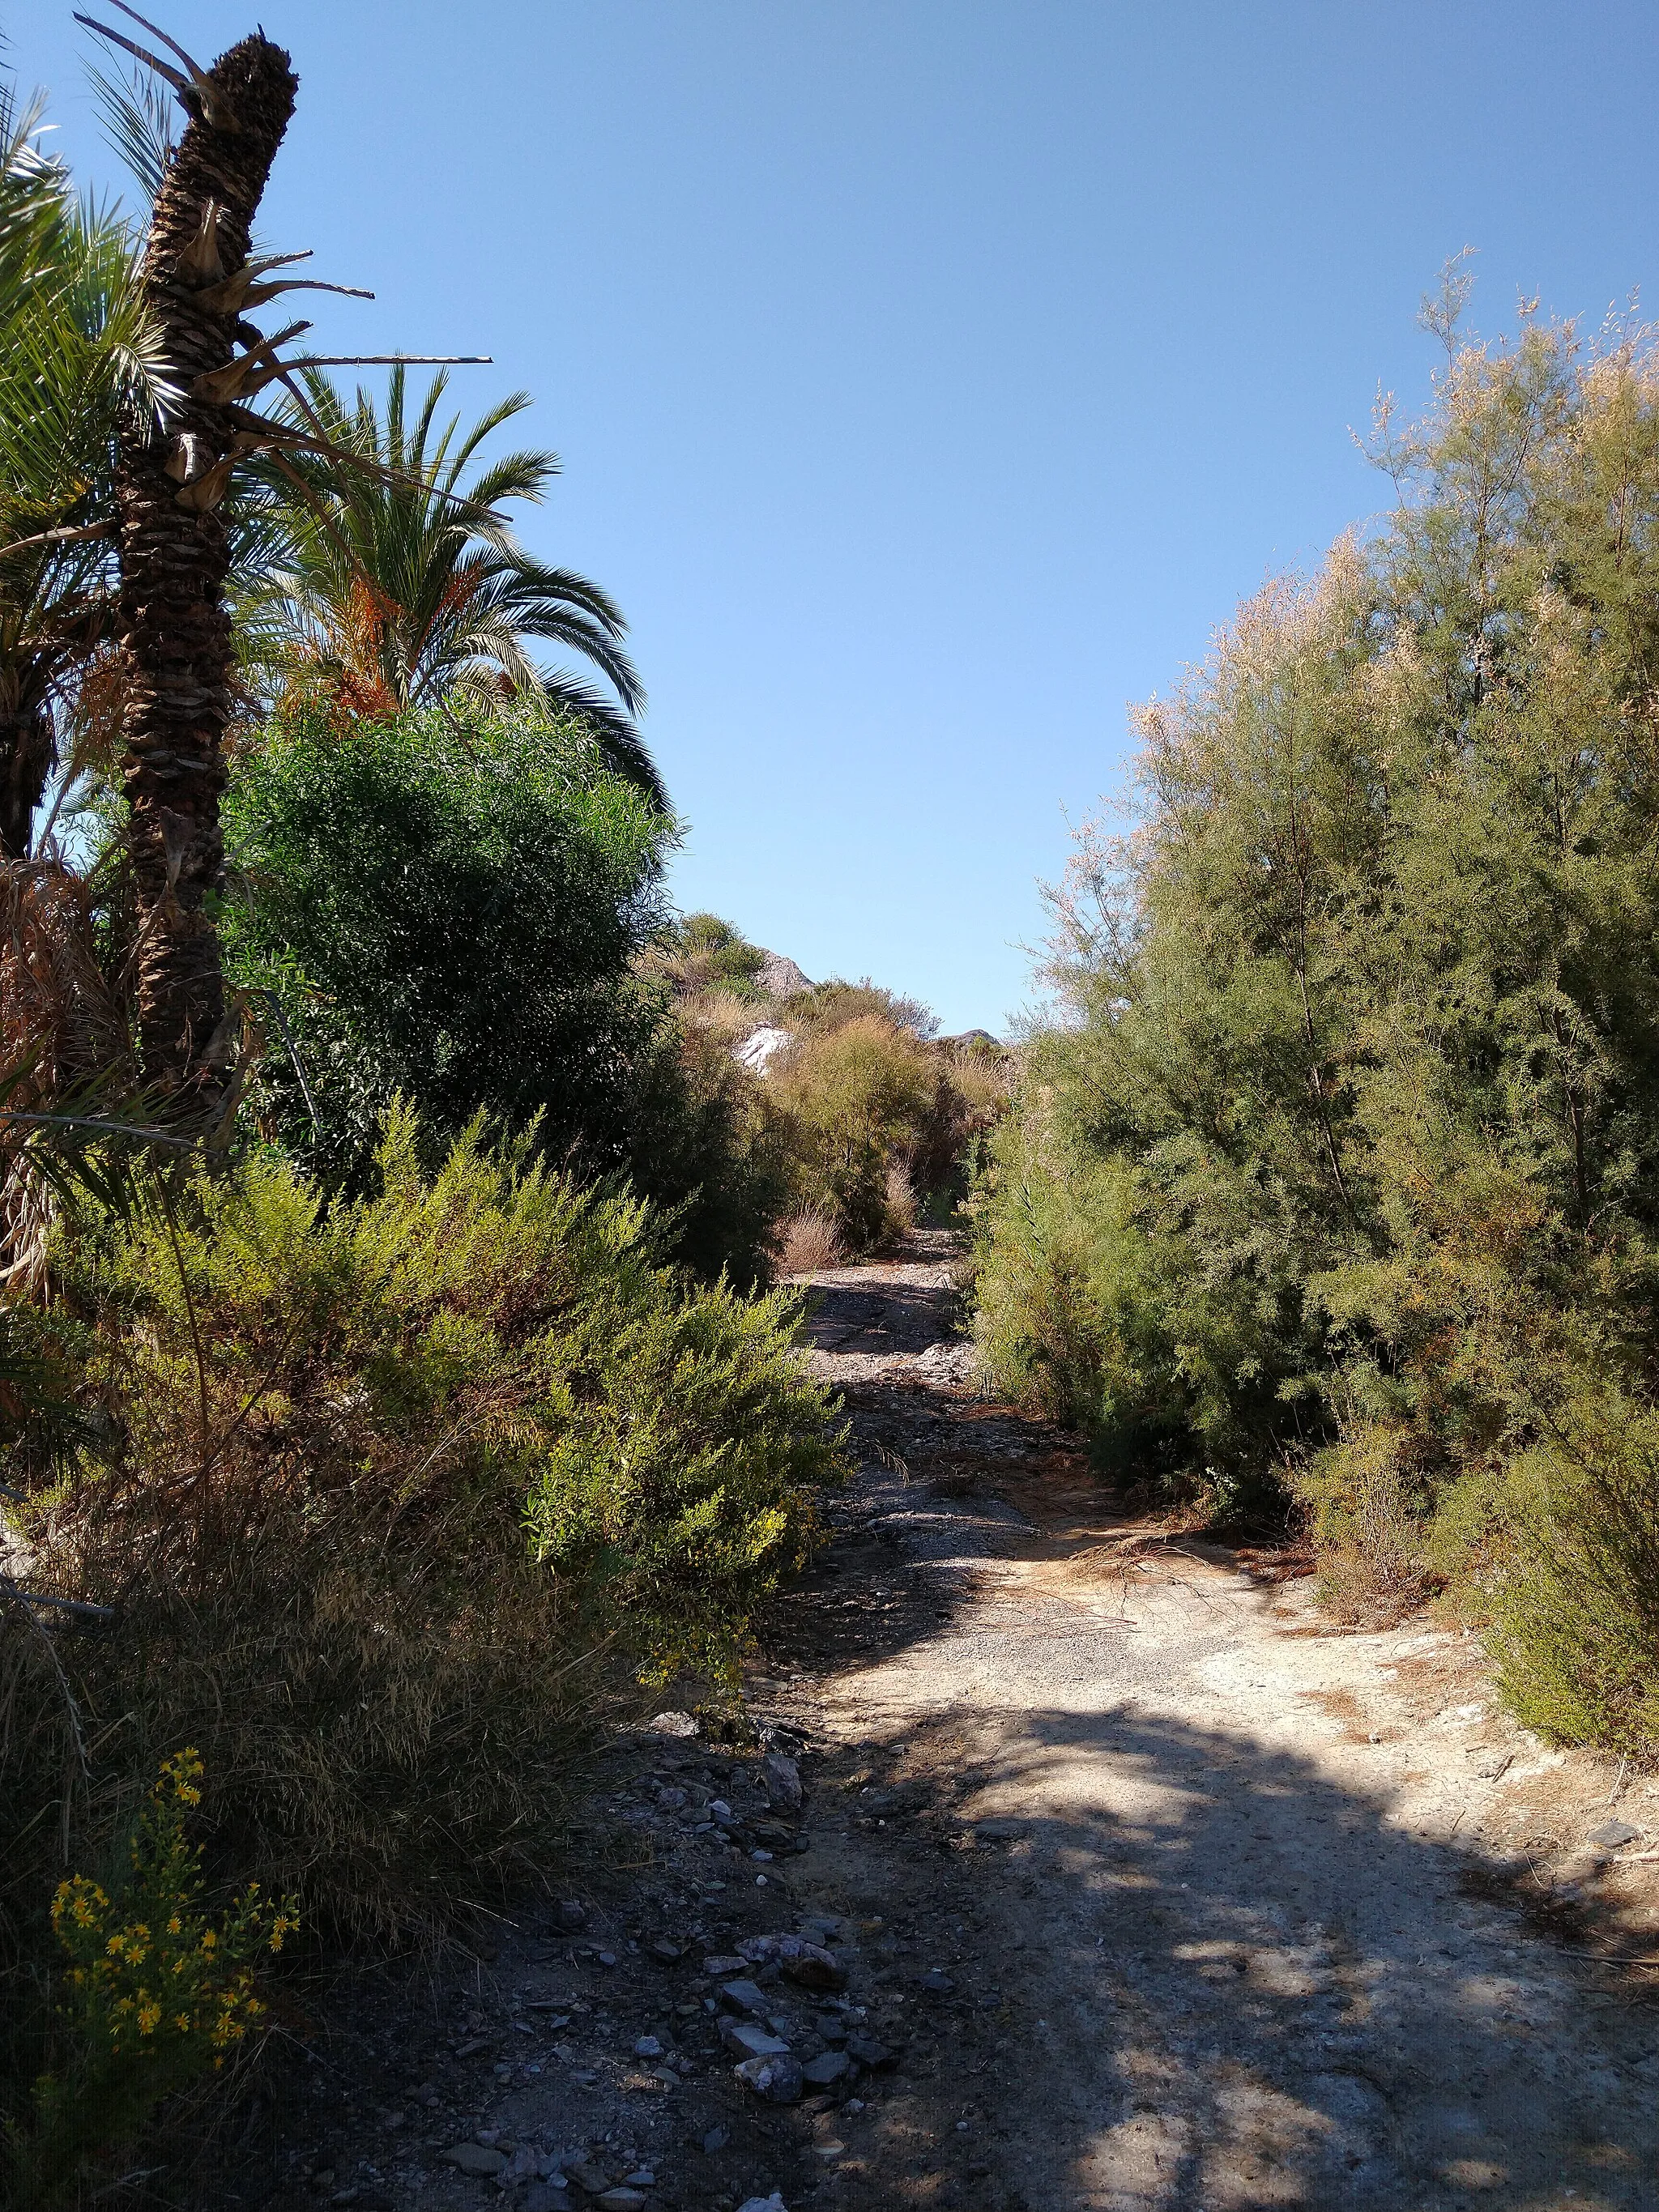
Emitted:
pixel 933 376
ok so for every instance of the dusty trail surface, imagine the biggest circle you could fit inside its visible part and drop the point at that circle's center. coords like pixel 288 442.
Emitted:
pixel 1136 1887
pixel 1267 1914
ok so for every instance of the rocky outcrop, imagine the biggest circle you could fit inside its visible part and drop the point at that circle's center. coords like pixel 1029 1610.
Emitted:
pixel 779 978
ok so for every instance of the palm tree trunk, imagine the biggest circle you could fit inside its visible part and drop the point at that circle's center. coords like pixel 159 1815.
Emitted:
pixel 26 754
pixel 175 632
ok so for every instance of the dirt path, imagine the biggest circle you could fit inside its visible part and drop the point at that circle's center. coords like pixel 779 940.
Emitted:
pixel 1240 1893
pixel 1134 1887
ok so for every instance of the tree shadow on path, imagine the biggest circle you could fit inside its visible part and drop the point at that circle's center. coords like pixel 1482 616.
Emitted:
pixel 1192 1970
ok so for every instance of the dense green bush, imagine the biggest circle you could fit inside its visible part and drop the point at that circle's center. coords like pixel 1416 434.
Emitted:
pixel 447 913
pixel 850 1099
pixel 1341 1180
pixel 452 914
pixel 385 1493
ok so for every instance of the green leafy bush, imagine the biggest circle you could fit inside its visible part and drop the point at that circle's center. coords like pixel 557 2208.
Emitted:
pixel 1575 1587
pixel 447 913
pixel 874 1117
pixel 850 1099
pixel 454 915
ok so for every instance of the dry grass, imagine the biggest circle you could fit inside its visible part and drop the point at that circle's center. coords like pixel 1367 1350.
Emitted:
pixel 904 1207
pixel 808 1241
pixel 720 1013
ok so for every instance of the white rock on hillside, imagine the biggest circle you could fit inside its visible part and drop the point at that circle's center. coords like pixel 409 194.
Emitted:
pixel 762 1046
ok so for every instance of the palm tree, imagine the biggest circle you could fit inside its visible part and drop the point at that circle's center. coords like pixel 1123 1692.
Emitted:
pixel 77 350
pixel 178 661
pixel 403 584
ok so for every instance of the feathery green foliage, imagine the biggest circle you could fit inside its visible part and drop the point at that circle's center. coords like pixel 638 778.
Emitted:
pixel 1344 1178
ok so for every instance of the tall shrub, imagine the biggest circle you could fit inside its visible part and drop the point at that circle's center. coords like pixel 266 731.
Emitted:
pixel 1344 1168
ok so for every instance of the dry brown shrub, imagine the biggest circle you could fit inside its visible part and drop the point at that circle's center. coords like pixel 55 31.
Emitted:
pixel 64 1036
pixel 719 1013
pixel 808 1241
pixel 904 1208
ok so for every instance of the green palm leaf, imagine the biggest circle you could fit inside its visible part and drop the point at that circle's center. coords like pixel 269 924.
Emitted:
pixel 400 584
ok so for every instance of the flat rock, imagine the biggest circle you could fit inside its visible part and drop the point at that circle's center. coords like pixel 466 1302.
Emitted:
pixel 747 1997
pixel 1614 1835
pixel 826 2069
pixel 773 2203
pixel 720 1964
pixel 593 2178
pixel 475 2158
pixel 621 2200
pixel 938 1985
pixel 716 2140
pixel 868 2052
pixel 750 2039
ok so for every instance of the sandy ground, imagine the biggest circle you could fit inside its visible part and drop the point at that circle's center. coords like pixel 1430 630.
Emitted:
pixel 1145 1888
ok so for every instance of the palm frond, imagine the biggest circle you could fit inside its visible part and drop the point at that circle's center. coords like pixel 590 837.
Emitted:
pixel 137 124
pixel 402 578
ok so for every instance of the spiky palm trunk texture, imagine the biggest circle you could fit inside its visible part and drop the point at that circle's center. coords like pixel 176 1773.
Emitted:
pixel 26 751
pixel 175 632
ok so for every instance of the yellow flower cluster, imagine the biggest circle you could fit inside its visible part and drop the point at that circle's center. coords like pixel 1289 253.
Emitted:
pixel 138 1992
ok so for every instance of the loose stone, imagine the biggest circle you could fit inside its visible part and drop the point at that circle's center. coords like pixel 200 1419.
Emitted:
pixel 777 2079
